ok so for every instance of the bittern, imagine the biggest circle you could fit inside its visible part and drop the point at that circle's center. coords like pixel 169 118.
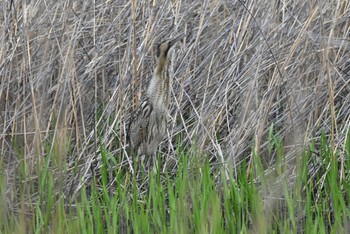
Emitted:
pixel 149 122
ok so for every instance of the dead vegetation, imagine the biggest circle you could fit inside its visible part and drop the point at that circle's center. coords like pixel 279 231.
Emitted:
pixel 71 69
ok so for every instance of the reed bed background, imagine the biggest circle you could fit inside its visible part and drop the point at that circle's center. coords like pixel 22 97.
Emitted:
pixel 73 71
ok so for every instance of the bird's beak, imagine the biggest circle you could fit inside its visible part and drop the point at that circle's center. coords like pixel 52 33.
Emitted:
pixel 175 40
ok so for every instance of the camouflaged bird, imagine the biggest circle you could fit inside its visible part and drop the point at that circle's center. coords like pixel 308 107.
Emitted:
pixel 149 122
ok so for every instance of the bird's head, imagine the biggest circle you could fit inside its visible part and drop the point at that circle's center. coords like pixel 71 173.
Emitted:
pixel 164 48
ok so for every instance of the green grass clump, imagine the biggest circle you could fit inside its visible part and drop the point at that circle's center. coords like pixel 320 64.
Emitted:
pixel 198 198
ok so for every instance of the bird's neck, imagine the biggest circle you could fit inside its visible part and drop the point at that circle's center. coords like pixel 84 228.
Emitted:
pixel 159 87
pixel 162 67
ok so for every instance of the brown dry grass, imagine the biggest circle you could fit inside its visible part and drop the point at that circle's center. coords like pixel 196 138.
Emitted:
pixel 71 68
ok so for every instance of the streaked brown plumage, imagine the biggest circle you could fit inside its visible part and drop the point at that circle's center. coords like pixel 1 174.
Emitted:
pixel 148 124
